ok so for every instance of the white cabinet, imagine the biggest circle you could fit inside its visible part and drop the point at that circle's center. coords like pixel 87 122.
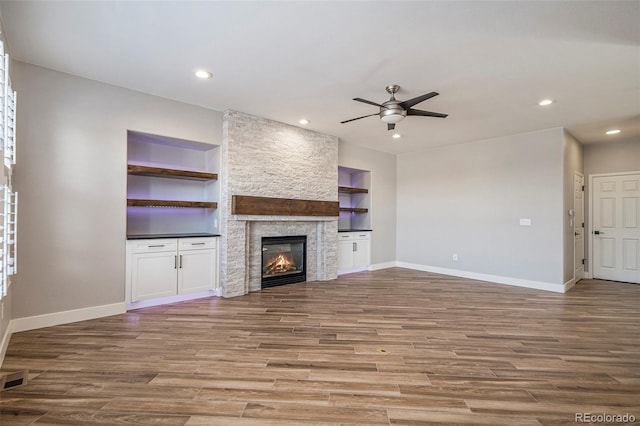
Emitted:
pixel 345 251
pixel 153 275
pixel 354 251
pixel 196 266
pixel 362 252
pixel 173 266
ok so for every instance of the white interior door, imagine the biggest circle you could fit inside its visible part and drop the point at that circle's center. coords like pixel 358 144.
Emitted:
pixel 616 227
pixel 578 226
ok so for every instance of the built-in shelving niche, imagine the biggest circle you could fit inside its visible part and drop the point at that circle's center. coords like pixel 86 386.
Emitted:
pixel 172 186
pixel 355 198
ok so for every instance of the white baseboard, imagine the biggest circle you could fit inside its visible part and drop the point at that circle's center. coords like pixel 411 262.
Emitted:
pixel 385 265
pixel 519 282
pixel 373 267
pixel 352 270
pixel 65 317
pixel 569 284
pixel 588 275
pixel 4 344
pixel 171 299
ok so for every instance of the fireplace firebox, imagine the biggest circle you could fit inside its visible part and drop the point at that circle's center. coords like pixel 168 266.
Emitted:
pixel 284 260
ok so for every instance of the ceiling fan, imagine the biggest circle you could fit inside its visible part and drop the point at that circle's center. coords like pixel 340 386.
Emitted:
pixel 393 110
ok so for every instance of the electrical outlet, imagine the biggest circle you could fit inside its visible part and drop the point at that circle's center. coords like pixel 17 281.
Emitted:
pixel 454 257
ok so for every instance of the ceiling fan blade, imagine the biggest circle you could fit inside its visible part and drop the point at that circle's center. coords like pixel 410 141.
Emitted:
pixel 412 111
pixel 411 102
pixel 391 126
pixel 358 118
pixel 366 101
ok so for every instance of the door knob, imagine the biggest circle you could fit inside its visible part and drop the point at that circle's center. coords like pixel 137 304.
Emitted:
pixel 598 232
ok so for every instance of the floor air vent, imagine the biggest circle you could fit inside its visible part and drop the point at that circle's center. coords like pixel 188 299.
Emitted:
pixel 13 380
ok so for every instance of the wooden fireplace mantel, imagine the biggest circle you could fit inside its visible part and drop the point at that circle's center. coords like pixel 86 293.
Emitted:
pixel 249 205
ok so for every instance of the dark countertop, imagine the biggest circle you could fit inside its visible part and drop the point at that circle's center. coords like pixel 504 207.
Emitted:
pixel 354 230
pixel 158 236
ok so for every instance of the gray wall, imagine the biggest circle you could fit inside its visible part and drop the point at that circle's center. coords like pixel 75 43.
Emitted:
pixel 383 196
pixel 607 157
pixel 612 157
pixel 571 163
pixel 71 176
pixel 468 199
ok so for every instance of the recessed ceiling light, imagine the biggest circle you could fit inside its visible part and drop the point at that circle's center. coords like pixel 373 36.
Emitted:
pixel 545 102
pixel 396 136
pixel 613 132
pixel 202 74
pixel 303 121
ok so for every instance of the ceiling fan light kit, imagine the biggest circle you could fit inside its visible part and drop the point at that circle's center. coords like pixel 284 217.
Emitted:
pixel 392 116
pixel 394 111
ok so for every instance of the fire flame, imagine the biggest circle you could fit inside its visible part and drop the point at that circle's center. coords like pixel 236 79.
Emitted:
pixel 279 264
pixel 282 263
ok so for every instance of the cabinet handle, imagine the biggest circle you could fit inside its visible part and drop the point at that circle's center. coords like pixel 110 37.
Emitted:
pixel 156 245
pixel 355 247
pixel 175 262
pixel 198 244
pixel 180 261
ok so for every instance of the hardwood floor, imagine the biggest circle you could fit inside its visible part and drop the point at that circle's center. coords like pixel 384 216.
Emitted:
pixel 387 347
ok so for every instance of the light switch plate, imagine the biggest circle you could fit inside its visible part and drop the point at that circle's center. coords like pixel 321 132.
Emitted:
pixel 525 222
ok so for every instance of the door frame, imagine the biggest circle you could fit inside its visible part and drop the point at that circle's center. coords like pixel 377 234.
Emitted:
pixel 584 274
pixel 590 213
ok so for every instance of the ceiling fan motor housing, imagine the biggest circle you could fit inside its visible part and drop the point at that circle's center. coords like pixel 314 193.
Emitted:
pixel 392 112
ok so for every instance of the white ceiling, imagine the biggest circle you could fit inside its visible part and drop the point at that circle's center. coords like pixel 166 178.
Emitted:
pixel 491 62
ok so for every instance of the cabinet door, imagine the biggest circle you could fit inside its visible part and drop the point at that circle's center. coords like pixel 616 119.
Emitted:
pixel 153 275
pixel 345 255
pixel 197 270
pixel 362 254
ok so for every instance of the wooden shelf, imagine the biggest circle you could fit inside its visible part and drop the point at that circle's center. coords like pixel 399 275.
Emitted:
pixel 353 210
pixel 350 190
pixel 171 173
pixel 170 203
pixel 249 205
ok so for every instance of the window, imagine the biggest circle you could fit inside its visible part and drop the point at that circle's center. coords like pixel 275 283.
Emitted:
pixel 9 198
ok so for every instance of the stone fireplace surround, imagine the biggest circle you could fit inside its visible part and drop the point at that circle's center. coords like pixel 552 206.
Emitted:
pixel 265 158
pixel 321 246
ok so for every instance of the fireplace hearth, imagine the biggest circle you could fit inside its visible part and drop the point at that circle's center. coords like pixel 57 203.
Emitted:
pixel 283 260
